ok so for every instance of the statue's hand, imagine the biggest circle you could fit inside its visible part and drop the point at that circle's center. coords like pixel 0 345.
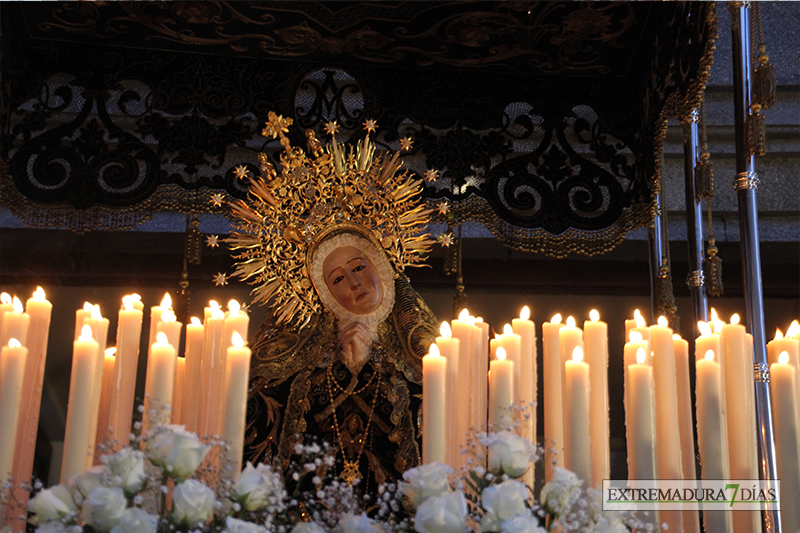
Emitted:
pixel 356 341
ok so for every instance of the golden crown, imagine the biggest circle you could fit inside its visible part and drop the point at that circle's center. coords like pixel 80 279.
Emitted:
pixel 288 213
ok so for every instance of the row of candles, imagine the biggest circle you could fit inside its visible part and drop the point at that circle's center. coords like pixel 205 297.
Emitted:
pixel 205 390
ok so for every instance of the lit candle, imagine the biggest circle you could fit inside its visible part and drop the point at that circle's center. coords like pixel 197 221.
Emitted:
pixel 194 360
pixel 711 437
pixel 512 344
pixel 212 372
pixel 164 369
pixel 553 419
pixel 462 329
pixel 633 323
pixel 577 441
pixel 12 371
pixel 640 419
pixel 526 330
pixel 78 445
pixel 155 319
pixel 569 337
pixel 171 327
pixel 691 523
pixel 80 316
pixel 668 440
pixel 482 391
pixel 99 327
pixel 237 375
pixel 449 349
pixel 129 331
pixel 236 321
pixel 6 304
pixel 177 397
pixel 434 390
pixel 501 391
pixel 791 346
pixel 102 435
pixel 15 325
pixel 784 387
pixel 595 333
pixel 39 310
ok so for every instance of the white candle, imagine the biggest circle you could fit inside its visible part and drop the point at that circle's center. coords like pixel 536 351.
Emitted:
pixel 102 435
pixel 99 327
pixel 501 391
pixel 595 333
pixel 6 304
pixel 711 434
pixel 553 419
pixel 155 319
pixel 462 329
pixel 164 365
pixel 237 375
pixel 526 330
pixel 640 419
pixel 577 441
pixel 791 346
pixel 569 337
pixel 512 344
pixel 636 322
pixel 171 327
pixel 784 386
pixel 691 523
pixel 434 390
pixel 15 325
pixel 80 424
pixel 482 392
pixel 12 371
pixel 129 330
pixel 177 397
pixel 212 373
pixel 80 317
pixel 236 321
pixel 194 360
pixel 449 349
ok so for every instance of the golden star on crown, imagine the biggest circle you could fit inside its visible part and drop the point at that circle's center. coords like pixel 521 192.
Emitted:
pixel 220 279
pixel 446 240
pixel 212 241
pixel 331 128
pixel 240 172
pixel 406 143
pixel 431 175
pixel 216 199
pixel 444 208
pixel 276 125
pixel 370 125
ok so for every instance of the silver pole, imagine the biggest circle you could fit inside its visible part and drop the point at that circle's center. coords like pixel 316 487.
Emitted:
pixel 654 233
pixel 694 220
pixel 746 183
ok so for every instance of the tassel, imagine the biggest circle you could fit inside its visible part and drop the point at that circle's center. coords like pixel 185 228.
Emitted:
pixel 756 136
pixel 764 83
pixel 704 176
pixel 712 268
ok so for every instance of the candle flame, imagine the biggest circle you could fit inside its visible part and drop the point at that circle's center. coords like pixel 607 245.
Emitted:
pixel 168 316
pixel 501 353
pixel 217 314
pixel 445 330
pixel 166 302
pixel 17 305
pixel 662 321
pixel 508 330
pixel 577 354
pixel 111 352
pixel 86 332
pixel 718 325
pixel 714 316
pixel 783 358
pixel 127 301
pixel 639 319
pixel 38 294
pixel 470 320
pixel 709 355
pixel 96 314
pixel 434 351
pixel 636 336
pixel 87 307
pixel 5 298
pixel 778 334
pixel 213 304
pixel 594 316
pixel 14 343
pixel 161 338
pixel 794 329
pixel 479 320
pixel 236 340
pixel 234 307
pixel 463 314
pixel 570 322
pixel 676 337
pixel 735 318
pixel 703 328
pixel 525 313
pixel 556 319
pixel 640 356
pixel 196 321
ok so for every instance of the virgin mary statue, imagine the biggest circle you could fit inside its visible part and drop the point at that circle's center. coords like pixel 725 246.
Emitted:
pixel 325 240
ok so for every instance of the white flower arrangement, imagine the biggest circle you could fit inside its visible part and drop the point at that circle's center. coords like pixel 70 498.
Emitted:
pixel 162 483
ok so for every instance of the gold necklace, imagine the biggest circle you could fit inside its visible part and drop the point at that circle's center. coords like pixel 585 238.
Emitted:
pixel 350 472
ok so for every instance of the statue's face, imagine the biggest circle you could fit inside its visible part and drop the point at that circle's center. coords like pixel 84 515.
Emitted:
pixel 353 280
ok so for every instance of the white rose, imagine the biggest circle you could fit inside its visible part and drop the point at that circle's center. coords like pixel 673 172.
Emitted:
pixel 557 492
pixel 177 451
pixel 103 508
pixel 307 527
pixel 503 502
pixel 51 504
pixel 523 524
pixel 426 481
pixel 193 503
pixel 234 525
pixel 86 482
pixel 128 466
pixel 509 453
pixel 136 521
pixel 442 514
pixel 258 487
pixel 350 523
